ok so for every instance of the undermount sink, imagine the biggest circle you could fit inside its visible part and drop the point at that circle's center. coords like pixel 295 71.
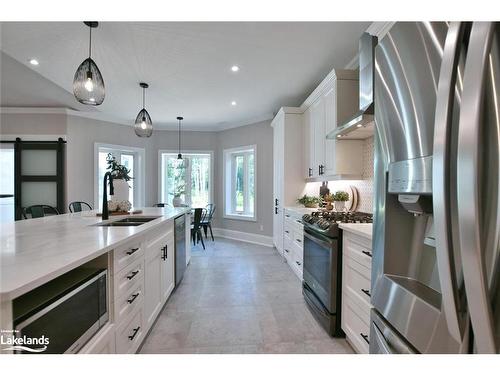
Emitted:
pixel 137 219
pixel 128 222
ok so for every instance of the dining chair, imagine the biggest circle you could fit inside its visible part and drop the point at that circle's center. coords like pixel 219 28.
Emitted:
pixel 196 236
pixel 39 210
pixel 207 222
pixel 79 206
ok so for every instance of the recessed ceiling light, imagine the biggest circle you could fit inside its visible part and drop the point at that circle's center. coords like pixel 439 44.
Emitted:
pixel 339 136
pixel 233 103
pixel 34 62
pixel 92 99
pixel 359 125
pixel 235 68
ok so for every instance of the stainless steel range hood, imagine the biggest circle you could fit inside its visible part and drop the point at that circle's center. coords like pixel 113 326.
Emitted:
pixel 360 125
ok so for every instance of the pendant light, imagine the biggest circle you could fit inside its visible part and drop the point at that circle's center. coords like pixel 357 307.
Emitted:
pixel 179 155
pixel 88 85
pixel 143 125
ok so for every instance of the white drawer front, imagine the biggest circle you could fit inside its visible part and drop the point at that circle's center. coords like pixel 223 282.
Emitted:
pixel 128 278
pixel 295 223
pixel 357 304
pixel 298 265
pixel 355 328
pixel 298 238
pixel 125 255
pixel 129 302
pixel 298 251
pixel 288 253
pixel 129 334
pixel 356 281
pixel 357 252
pixel 165 229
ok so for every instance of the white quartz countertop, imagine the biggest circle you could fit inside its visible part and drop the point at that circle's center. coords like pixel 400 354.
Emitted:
pixel 361 229
pixel 35 251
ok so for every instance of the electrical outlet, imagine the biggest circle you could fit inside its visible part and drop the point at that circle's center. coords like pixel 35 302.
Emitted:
pixel 261 228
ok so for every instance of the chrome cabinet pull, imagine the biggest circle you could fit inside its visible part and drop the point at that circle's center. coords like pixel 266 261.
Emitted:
pixel 367 292
pixel 287 250
pixel 310 172
pixel 298 263
pixel 298 240
pixel 131 276
pixel 131 251
pixel 132 299
pixel 367 253
pixel 365 337
pixel 131 337
pixel 287 231
pixel 164 254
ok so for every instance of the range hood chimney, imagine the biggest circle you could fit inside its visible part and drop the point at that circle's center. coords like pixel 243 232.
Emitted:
pixel 360 125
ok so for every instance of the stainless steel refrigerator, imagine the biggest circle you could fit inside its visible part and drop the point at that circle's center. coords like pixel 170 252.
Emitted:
pixel 436 244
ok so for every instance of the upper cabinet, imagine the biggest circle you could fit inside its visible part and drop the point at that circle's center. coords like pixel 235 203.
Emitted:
pixel 334 101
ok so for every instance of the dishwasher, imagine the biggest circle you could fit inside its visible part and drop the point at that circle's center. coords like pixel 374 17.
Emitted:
pixel 180 248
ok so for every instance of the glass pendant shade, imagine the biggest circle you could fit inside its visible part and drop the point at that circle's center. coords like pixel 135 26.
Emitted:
pixel 143 125
pixel 88 85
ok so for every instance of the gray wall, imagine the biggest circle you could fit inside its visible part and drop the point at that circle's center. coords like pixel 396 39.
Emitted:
pixel 82 133
pixel 260 134
pixel 32 123
pixel 81 136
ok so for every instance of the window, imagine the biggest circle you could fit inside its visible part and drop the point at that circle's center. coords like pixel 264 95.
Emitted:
pixel 6 183
pixel 239 183
pixel 189 178
pixel 130 157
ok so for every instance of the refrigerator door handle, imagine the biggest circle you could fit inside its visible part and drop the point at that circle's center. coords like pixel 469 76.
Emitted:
pixel 441 176
pixel 381 340
pixel 475 275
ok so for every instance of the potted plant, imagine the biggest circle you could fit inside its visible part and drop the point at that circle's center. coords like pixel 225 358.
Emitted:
pixel 179 190
pixel 328 199
pixel 340 197
pixel 309 202
pixel 121 176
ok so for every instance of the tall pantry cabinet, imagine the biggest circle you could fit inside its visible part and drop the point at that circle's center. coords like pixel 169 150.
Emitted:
pixel 288 181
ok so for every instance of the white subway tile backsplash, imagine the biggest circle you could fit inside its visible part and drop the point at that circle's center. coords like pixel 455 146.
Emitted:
pixel 364 186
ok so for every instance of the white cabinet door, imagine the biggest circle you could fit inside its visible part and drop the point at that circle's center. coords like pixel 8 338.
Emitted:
pixel 318 129
pixel 278 177
pixel 152 280
pixel 308 134
pixel 167 269
pixel 330 103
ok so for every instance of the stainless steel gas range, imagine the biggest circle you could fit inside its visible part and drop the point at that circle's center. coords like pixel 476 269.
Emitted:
pixel 322 285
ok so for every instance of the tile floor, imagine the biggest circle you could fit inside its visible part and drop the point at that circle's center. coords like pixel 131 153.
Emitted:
pixel 238 298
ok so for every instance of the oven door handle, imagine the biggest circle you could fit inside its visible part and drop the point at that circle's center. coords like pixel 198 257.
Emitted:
pixel 323 241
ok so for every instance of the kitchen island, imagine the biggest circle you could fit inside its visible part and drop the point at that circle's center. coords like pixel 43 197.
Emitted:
pixel 36 251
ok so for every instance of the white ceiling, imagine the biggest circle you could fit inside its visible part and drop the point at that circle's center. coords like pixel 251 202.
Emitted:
pixel 186 64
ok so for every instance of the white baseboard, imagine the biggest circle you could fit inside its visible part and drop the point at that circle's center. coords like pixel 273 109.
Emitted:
pixel 258 239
